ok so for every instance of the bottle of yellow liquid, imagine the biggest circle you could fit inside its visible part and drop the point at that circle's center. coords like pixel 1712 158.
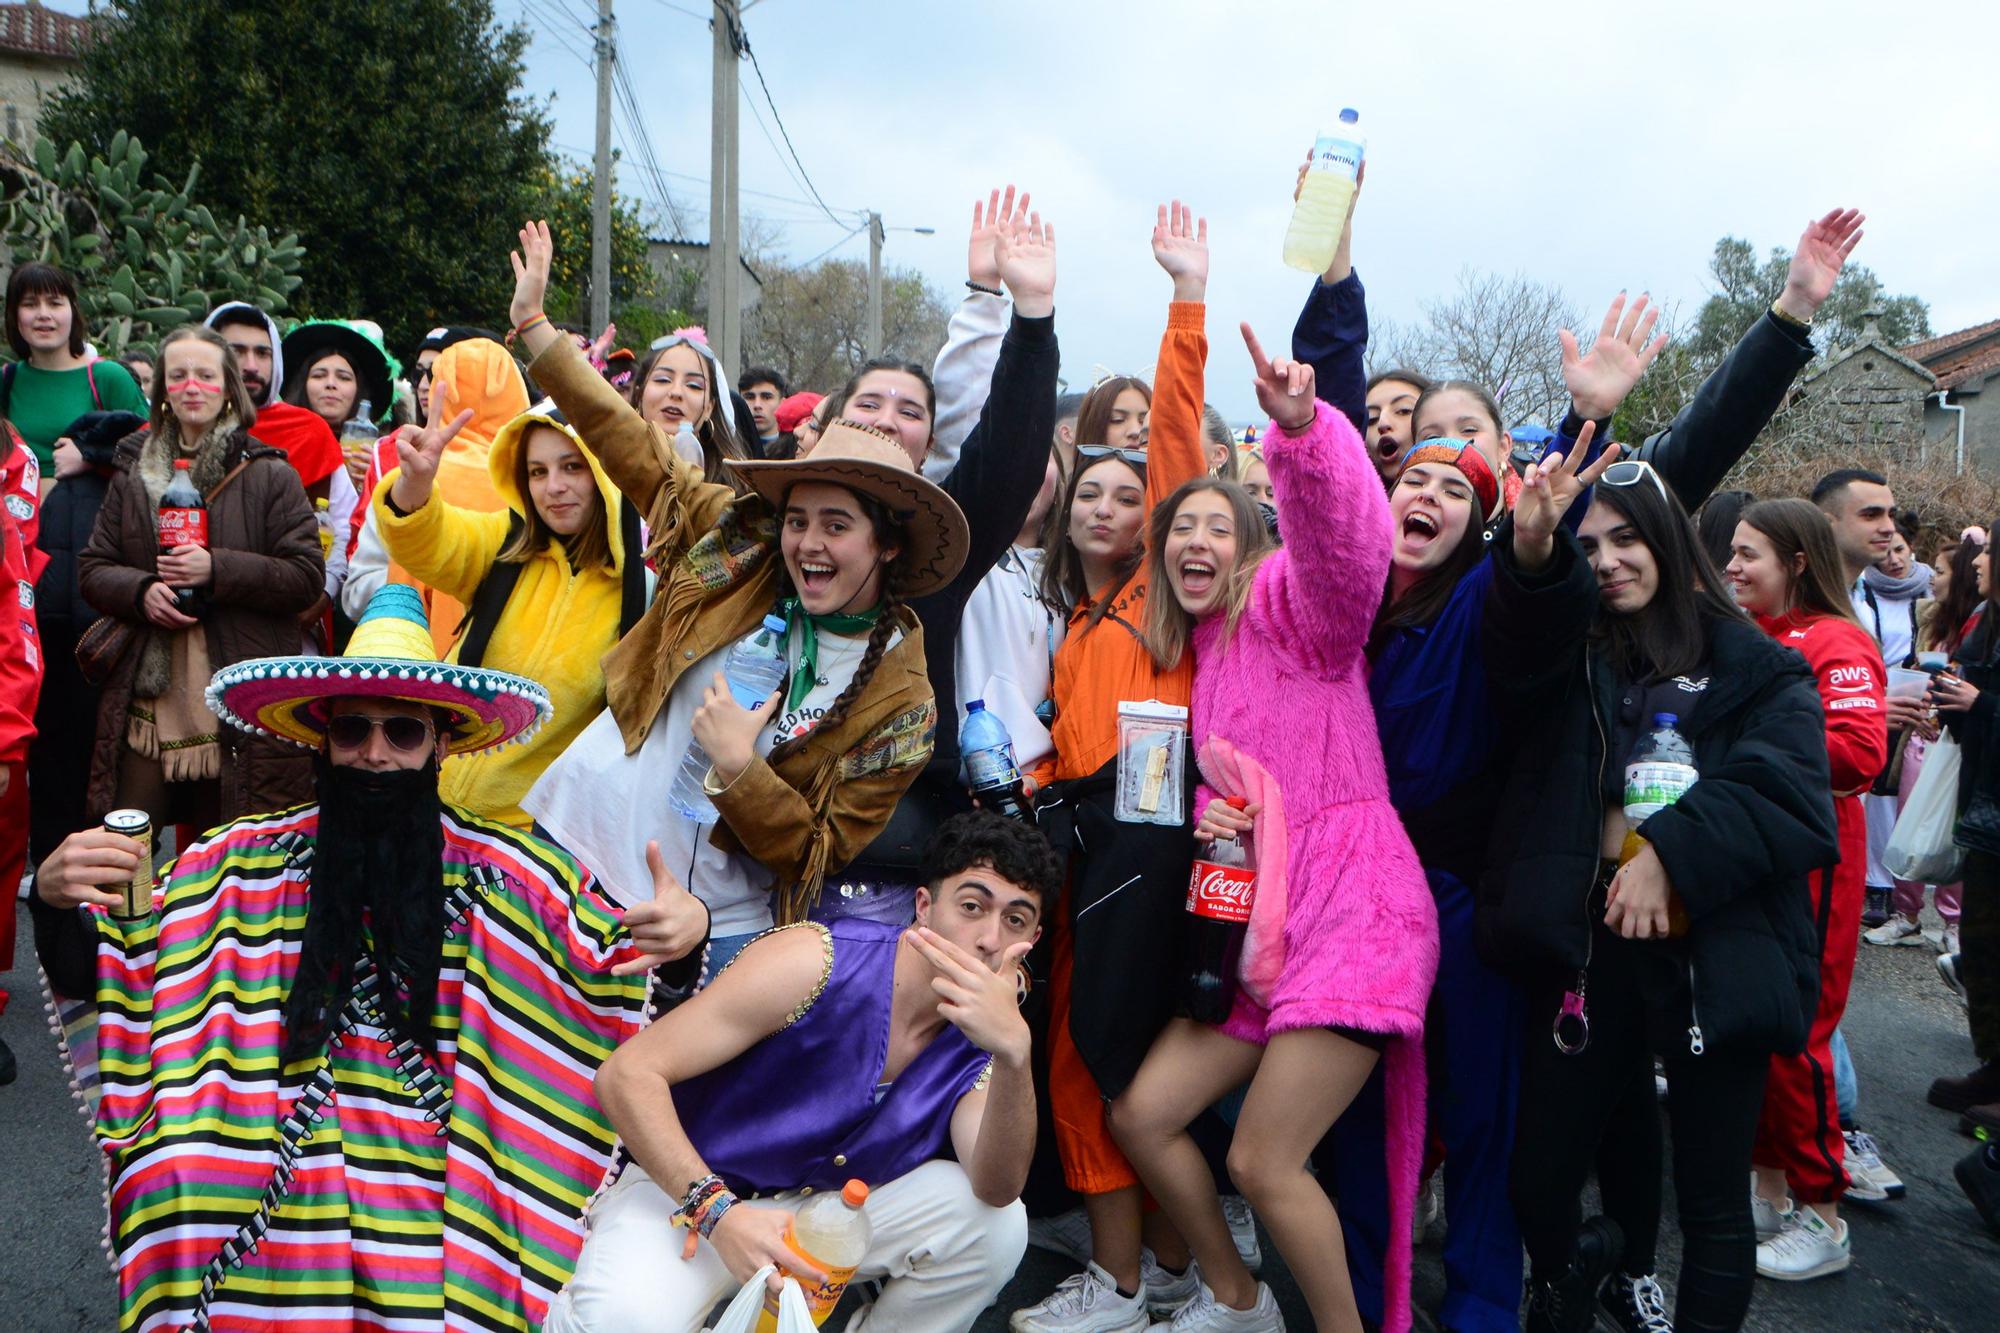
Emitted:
pixel 1659 773
pixel 833 1232
pixel 1321 212
pixel 323 516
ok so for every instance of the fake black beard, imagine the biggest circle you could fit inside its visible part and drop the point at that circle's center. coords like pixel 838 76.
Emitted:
pixel 379 852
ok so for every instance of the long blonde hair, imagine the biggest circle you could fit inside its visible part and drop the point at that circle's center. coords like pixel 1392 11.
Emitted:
pixel 1168 628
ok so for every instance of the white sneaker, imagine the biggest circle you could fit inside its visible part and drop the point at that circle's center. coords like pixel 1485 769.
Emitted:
pixel 1950 939
pixel 1869 1178
pixel 1205 1313
pixel 1164 1292
pixel 1065 1233
pixel 1947 966
pixel 1808 1247
pixel 1243 1230
pixel 1770 1218
pixel 1427 1218
pixel 1086 1303
pixel 1898 929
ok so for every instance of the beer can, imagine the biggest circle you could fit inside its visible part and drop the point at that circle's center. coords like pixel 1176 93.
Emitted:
pixel 136 894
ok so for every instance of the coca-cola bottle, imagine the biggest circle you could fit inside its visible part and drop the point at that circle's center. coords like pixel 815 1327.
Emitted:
pixel 1220 892
pixel 183 522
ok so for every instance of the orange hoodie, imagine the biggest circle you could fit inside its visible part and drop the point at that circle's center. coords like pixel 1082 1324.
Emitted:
pixel 479 374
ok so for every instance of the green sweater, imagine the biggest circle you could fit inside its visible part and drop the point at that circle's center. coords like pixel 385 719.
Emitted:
pixel 43 403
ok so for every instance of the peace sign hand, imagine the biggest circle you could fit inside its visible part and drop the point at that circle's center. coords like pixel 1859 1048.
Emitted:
pixel 418 452
pixel 1548 489
pixel 983 1004
pixel 671 926
pixel 1284 387
pixel 1599 381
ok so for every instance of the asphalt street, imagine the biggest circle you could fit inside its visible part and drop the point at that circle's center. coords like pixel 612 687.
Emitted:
pixel 1924 1263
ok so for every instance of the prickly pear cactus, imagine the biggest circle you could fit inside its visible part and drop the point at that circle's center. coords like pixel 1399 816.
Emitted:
pixel 146 257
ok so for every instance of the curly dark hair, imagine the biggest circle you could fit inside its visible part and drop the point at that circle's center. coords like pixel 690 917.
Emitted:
pixel 1016 852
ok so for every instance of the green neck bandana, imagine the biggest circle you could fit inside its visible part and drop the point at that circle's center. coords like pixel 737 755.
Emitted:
pixel 810 627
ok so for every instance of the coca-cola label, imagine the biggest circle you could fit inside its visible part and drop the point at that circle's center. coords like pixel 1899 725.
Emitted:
pixel 1221 893
pixel 183 527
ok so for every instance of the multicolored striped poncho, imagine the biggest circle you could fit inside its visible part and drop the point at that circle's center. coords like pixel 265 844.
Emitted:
pixel 422 1193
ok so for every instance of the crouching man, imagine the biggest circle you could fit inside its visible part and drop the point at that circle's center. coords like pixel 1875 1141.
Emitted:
pixel 894 1056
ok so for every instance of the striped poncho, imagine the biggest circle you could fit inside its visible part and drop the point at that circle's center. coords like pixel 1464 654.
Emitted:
pixel 384 1189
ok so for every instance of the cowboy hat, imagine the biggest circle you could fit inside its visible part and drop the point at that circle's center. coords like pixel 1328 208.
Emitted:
pixel 872 463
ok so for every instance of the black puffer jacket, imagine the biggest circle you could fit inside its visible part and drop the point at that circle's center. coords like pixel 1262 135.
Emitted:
pixel 69 512
pixel 1737 848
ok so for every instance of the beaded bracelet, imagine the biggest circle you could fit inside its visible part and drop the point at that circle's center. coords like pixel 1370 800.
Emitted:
pixel 982 287
pixel 698 1194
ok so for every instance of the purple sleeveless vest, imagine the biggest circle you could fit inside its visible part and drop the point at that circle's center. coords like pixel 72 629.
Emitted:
pixel 798 1109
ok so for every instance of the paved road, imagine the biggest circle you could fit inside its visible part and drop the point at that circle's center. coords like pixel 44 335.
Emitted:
pixel 1921 1264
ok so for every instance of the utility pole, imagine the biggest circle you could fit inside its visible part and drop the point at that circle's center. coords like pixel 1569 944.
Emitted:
pixel 725 284
pixel 600 197
pixel 874 284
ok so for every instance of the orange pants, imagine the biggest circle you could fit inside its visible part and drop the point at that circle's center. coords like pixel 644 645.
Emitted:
pixel 1092 1163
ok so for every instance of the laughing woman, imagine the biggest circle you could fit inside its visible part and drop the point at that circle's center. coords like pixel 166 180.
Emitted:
pixel 837 543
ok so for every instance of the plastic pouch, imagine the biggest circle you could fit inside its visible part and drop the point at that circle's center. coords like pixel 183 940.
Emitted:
pixel 1152 761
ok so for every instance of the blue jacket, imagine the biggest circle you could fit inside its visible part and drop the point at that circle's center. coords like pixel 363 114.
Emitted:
pixel 1332 337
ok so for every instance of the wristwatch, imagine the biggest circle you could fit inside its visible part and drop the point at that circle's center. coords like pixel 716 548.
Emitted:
pixel 1789 318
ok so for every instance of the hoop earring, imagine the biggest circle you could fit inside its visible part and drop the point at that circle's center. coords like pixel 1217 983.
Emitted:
pixel 1024 980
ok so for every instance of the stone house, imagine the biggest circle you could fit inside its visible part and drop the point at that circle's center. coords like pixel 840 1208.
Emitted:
pixel 1960 413
pixel 38 49
pixel 1869 394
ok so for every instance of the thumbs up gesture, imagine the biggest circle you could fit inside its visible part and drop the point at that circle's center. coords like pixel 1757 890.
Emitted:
pixel 667 928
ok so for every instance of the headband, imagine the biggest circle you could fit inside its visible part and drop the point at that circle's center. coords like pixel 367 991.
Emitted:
pixel 1465 456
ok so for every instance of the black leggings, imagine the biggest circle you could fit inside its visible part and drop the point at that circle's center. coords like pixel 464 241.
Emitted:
pixel 1600 1104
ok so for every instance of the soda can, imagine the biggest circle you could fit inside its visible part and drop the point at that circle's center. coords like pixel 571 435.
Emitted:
pixel 136 894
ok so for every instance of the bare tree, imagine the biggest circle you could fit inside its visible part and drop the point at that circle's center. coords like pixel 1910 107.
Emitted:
pixel 1499 332
pixel 811 323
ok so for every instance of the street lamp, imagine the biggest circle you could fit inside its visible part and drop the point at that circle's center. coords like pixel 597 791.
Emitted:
pixel 875 235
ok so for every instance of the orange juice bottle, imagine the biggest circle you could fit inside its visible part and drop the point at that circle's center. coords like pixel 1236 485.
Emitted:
pixel 833 1232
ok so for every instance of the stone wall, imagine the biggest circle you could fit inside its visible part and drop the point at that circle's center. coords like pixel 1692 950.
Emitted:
pixel 26 83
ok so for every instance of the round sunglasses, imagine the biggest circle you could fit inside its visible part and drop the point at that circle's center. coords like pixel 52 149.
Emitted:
pixel 351 731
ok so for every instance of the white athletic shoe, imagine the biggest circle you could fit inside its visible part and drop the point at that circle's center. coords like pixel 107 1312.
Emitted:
pixel 1164 1292
pixel 1869 1178
pixel 1770 1218
pixel 1427 1220
pixel 1243 1230
pixel 1065 1233
pixel 1808 1247
pixel 1205 1314
pixel 1898 929
pixel 1947 966
pixel 1950 939
pixel 1086 1303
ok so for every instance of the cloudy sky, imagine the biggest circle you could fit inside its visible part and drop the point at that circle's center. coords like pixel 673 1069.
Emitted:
pixel 1596 146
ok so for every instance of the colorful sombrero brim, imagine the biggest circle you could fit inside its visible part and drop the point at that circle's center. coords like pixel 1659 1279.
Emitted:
pixel 286 697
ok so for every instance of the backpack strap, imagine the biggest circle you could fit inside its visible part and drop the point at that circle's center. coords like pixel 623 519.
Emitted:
pixel 90 378
pixel 489 599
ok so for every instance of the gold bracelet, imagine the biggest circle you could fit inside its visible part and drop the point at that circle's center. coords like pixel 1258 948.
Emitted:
pixel 1790 318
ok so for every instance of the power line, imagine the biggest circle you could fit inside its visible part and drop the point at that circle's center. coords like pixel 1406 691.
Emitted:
pixel 743 41
pixel 665 4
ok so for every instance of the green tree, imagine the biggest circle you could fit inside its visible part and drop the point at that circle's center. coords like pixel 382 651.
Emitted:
pixel 566 199
pixel 392 136
pixel 1745 287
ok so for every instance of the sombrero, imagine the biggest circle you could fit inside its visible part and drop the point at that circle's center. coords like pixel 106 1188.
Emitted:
pixel 389 657
pixel 871 462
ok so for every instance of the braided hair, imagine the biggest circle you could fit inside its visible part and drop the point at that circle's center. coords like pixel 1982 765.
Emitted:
pixel 889 531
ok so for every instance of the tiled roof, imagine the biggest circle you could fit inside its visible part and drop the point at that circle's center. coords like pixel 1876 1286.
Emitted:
pixel 1961 357
pixel 34 30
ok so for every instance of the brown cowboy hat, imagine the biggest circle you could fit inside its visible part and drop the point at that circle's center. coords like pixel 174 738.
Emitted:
pixel 872 463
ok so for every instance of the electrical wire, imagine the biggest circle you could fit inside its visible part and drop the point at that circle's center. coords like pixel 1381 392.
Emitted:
pixel 742 42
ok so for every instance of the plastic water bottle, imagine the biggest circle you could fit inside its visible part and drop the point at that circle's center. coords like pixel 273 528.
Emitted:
pixel 991 773
pixel 754 668
pixel 687 445
pixel 358 435
pixel 1659 773
pixel 833 1232
pixel 1321 212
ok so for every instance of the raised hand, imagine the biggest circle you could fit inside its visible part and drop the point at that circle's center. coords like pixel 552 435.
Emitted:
pixel 1284 387
pixel 1816 262
pixel 981 264
pixel 1180 246
pixel 1599 381
pixel 1025 258
pixel 418 452
pixel 1548 489
pixel 667 928
pixel 531 272
pixel 983 1004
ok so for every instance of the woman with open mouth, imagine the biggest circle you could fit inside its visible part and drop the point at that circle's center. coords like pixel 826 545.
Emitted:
pixel 681 381
pixel 836 543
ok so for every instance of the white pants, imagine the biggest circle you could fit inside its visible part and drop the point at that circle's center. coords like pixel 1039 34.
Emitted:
pixel 1880 812
pixel 945 1256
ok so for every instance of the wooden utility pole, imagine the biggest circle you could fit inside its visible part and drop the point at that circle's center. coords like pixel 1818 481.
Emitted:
pixel 600 196
pixel 725 271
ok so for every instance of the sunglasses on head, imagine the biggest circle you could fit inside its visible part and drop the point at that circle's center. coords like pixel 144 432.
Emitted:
pixel 351 731
pixel 1629 473
pixel 1136 457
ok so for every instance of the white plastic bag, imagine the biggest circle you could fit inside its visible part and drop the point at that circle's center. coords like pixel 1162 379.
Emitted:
pixel 1920 848
pixel 742 1313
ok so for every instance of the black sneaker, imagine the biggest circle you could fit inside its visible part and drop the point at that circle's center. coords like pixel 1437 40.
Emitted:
pixel 1569 1303
pixel 9 1068
pixel 1875 906
pixel 1979 1177
pixel 1635 1304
